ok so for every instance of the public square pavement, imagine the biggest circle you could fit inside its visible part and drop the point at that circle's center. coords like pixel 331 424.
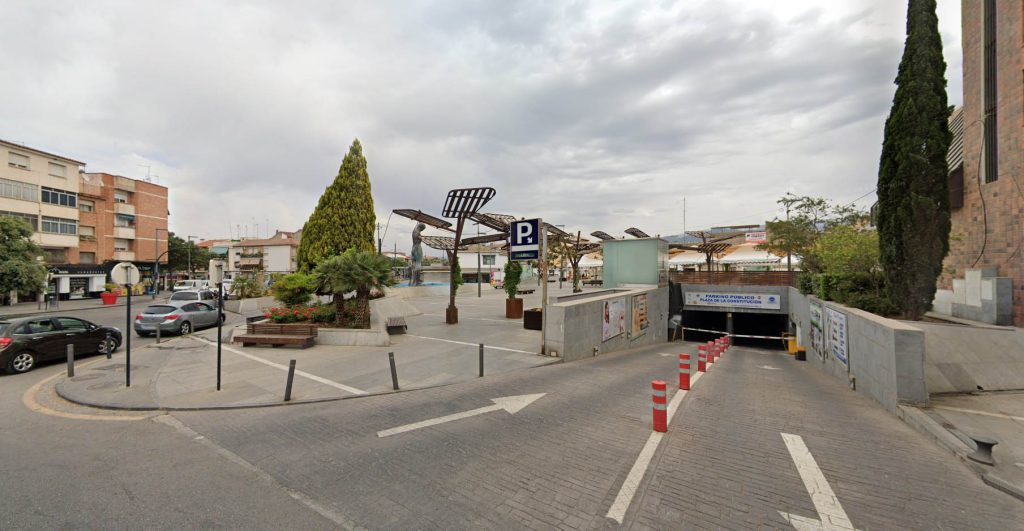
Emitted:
pixel 729 460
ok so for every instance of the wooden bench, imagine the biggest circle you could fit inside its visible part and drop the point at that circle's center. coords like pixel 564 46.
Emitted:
pixel 277 335
pixel 593 282
pixel 396 325
pixel 524 291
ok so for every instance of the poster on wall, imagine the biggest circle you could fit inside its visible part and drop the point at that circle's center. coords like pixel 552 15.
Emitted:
pixel 817 331
pixel 836 336
pixel 614 319
pixel 639 323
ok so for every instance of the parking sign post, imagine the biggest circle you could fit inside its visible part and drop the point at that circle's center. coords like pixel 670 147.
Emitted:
pixel 530 242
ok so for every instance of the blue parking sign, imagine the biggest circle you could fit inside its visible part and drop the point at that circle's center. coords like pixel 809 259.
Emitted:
pixel 525 238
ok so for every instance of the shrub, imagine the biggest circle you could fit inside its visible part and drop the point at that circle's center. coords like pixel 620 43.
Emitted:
pixel 296 288
pixel 864 290
pixel 247 287
pixel 805 283
pixel 513 275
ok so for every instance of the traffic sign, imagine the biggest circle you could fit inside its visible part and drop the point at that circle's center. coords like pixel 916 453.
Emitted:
pixel 125 274
pixel 526 238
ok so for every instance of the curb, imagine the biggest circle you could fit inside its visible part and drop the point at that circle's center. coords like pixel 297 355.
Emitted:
pixel 924 424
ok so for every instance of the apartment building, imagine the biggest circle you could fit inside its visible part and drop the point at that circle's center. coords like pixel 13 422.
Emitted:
pixel 275 255
pixel 122 220
pixel 983 276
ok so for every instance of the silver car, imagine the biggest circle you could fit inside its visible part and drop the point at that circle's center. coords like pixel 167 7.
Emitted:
pixel 202 295
pixel 176 317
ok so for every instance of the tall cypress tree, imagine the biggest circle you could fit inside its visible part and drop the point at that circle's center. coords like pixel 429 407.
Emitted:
pixel 913 192
pixel 344 217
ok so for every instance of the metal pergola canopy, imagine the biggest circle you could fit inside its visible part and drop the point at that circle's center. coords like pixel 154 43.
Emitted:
pixel 427 219
pixel 602 235
pixel 637 233
pixel 499 222
pixel 464 202
pixel 441 243
pixel 485 238
pixel 555 230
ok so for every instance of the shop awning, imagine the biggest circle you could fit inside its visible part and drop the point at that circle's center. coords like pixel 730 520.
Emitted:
pixel 749 255
pixel 688 258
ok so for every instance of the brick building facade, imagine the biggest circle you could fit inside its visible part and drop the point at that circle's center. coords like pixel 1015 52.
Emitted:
pixel 987 194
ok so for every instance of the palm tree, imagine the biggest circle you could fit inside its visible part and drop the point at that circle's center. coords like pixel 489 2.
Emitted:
pixel 357 271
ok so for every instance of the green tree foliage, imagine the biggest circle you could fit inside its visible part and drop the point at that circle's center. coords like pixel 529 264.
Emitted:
pixel 513 274
pixel 357 271
pixel 459 281
pixel 913 192
pixel 807 218
pixel 296 288
pixel 844 249
pixel 247 286
pixel 344 218
pixel 178 251
pixel 19 269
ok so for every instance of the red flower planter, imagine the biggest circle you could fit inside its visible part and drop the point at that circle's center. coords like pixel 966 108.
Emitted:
pixel 108 298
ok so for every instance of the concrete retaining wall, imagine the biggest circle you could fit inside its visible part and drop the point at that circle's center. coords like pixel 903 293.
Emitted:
pixel 574 327
pixel 886 357
pixel 965 359
pixel 250 307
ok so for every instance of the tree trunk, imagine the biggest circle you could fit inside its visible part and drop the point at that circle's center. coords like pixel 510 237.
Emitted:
pixel 339 306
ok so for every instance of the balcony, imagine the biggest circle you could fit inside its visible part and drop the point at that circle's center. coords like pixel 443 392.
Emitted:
pixel 124 256
pixel 124 208
pixel 125 233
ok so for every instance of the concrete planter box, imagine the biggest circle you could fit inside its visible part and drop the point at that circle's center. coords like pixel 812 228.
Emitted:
pixel 249 307
pixel 351 337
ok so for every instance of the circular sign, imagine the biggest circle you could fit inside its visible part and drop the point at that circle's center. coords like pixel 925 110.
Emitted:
pixel 125 274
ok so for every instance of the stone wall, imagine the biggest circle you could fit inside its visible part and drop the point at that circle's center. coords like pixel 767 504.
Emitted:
pixel 574 326
pixel 885 357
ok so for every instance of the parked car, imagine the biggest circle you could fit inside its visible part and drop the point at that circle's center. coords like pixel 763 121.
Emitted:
pixel 27 341
pixel 195 295
pixel 183 285
pixel 176 317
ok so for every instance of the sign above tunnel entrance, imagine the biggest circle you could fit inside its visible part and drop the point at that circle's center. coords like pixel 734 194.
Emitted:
pixel 758 301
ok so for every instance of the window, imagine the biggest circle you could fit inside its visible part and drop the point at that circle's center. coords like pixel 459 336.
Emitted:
pixel 39 326
pixel 87 206
pixel 31 219
pixel 204 307
pixel 56 256
pixel 86 258
pixel 121 220
pixel 17 160
pixel 70 323
pixel 59 197
pixel 85 230
pixel 488 259
pixel 990 95
pixel 120 245
pixel 58 170
pixel 59 225
pixel 19 190
pixel 120 197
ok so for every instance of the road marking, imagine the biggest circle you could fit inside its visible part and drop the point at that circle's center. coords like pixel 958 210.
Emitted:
pixel 301 497
pixel 304 374
pixel 976 412
pixel 830 512
pixel 636 474
pixel 30 402
pixel 769 368
pixel 489 347
pixel 512 404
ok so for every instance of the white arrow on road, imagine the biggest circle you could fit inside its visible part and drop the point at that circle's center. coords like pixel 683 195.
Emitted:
pixel 512 404
pixel 831 515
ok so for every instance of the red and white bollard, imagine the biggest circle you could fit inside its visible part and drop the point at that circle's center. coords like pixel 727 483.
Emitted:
pixel 659 392
pixel 684 372
pixel 702 357
pixel 711 352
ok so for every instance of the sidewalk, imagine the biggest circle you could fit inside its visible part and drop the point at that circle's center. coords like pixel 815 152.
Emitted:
pixel 952 419
pixel 23 309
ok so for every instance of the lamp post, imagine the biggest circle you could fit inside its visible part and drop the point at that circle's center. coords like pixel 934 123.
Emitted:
pixel 561 262
pixel 189 246
pixel 156 260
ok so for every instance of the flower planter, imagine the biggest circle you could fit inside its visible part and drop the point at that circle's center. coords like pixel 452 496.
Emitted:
pixel 108 298
pixel 514 308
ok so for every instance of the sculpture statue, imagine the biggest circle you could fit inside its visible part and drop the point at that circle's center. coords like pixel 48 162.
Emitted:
pixel 415 277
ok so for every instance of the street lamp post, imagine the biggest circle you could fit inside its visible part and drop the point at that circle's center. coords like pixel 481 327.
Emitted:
pixel 189 246
pixel 156 260
pixel 561 262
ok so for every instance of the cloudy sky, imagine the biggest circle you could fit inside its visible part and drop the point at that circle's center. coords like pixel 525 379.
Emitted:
pixel 596 115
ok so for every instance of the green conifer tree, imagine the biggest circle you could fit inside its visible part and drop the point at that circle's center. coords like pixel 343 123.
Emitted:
pixel 344 217
pixel 913 192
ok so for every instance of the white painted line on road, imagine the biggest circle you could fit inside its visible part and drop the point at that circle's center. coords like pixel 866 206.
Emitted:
pixel 489 347
pixel 976 412
pixel 503 321
pixel 636 474
pixel 512 404
pixel 284 368
pixel 830 512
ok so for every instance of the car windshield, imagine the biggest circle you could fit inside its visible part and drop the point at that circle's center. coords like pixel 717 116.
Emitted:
pixel 185 296
pixel 159 310
pixel 182 284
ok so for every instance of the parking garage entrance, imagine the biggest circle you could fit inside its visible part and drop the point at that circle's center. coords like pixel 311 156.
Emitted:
pixel 754 316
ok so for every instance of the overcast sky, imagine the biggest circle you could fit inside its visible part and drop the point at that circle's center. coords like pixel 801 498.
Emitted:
pixel 596 115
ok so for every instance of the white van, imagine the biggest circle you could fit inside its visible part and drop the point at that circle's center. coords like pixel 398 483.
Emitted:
pixel 183 285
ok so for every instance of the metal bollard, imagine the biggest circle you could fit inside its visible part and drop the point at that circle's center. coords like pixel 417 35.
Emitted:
pixel 481 360
pixel 158 333
pixel 660 398
pixel 288 385
pixel 394 371
pixel 71 361
pixel 106 346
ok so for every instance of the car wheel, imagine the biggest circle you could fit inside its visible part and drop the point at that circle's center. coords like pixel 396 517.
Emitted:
pixel 22 362
pixel 107 346
pixel 186 328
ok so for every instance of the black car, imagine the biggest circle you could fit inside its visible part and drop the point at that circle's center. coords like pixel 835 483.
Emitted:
pixel 27 341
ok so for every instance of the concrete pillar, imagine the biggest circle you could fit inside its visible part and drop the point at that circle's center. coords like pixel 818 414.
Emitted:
pixel 728 324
